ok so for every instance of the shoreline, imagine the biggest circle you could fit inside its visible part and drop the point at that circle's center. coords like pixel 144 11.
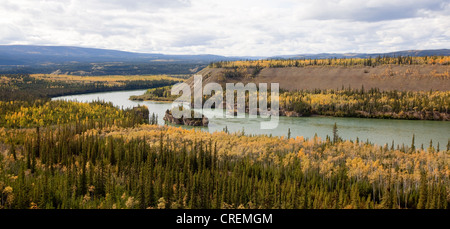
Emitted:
pixel 151 100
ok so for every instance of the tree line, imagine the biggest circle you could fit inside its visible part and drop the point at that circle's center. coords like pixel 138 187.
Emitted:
pixel 24 87
pixel 345 62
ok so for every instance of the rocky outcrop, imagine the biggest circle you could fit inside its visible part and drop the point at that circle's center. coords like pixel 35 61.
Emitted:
pixel 168 117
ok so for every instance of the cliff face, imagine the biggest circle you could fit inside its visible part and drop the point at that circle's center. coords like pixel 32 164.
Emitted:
pixel 168 117
pixel 386 77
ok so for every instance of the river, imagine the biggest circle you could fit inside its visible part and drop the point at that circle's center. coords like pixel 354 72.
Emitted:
pixel 378 131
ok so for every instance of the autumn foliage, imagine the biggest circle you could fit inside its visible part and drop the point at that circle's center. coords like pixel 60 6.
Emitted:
pixel 346 62
pixel 153 166
pixel 372 103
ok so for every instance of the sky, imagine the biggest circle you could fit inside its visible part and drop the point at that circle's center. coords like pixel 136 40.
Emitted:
pixel 229 27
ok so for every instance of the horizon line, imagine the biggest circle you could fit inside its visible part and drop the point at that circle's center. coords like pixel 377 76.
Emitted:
pixel 256 56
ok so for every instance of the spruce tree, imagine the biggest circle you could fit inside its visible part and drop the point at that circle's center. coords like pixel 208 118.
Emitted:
pixel 335 133
pixel 423 191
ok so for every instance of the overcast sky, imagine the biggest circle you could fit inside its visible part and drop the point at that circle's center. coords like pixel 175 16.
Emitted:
pixel 229 27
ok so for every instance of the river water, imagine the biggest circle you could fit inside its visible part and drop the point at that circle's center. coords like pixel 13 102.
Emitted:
pixel 378 131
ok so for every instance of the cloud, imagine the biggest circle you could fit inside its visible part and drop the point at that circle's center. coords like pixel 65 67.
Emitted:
pixel 370 10
pixel 233 27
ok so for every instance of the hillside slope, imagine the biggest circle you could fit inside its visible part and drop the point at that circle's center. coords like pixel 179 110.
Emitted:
pixel 387 77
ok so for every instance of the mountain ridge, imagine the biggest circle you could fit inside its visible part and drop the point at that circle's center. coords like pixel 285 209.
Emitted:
pixel 11 55
pixel 36 55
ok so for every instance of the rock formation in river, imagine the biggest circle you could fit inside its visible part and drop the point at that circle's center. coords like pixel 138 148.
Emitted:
pixel 168 117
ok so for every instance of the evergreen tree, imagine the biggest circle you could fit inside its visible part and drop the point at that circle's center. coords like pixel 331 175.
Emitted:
pixel 335 133
pixel 423 191
pixel 289 133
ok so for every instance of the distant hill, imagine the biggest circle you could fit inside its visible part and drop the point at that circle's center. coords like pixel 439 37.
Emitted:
pixel 39 55
pixel 35 55
pixel 91 61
